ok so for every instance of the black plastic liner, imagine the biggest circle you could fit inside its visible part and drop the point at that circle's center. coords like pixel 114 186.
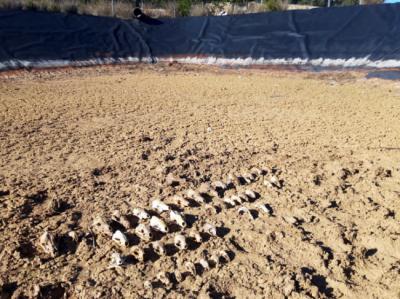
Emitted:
pixel 347 36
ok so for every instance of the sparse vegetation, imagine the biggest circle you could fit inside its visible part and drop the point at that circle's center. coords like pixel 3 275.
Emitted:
pixel 184 7
pixel 275 5
pixel 165 8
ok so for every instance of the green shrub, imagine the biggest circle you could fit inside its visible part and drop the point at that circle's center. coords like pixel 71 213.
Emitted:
pixel 184 7
pixel 349 2
pixel 71 9
pixel 54 7
pixel 30 5
pixel 274 5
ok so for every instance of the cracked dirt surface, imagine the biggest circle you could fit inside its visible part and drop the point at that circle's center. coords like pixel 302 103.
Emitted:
pixel 82 143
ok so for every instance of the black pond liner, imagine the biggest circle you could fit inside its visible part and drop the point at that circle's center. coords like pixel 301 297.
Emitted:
pixel 386 75
pixel 358 36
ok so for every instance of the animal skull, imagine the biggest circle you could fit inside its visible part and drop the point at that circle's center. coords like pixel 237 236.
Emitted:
pixel 158 247
pixel 178 218
pixel 159 206
pixel 101 226
pixel 158 224
pixel 140 213
pixel 48 244
pixel 138 253
pixel 120 238
pixel 210 229
pixel 180 201
pixel 144 232
pixel 180 242
pixel 116 260
pixel 191 268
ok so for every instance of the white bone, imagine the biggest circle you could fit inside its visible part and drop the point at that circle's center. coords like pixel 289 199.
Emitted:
pixel 204 263
pixel 251 194
pixel 199 199
pixel 219 185
pixel 290 219
pixel 117 260
pixel 213 208
pixel 120 238
pixel 230 181
pixel 244 210
pixel 246 178
pixel 158 247
pixel 143 232
pixel 116 214
pixel 256 171
pixel 254 175
pixel 195 196
pixel 191 268
pixel 204 188
pixel 164 278
pixel 158 224
pixel 101 226
pixel 191 193
pixel 197 236
pixel 229 201
pixel 125 222
pixel 172 180
pixel 224 254
pixel 214 193
pixel 148 284
pixel 264 208
pixel 249 177
pixel 180 242
pixel 73 235
pixel 178 218
pixel 121 219
pixel 210 229
pixel 180 201
pixel 215 259
pixel 273 181
pixel 237 199
pixel 159 206
pixel 47 242
pixel 243 197
pixel 138 253
pixel 267 183
pixel 178 275
pixel 140 213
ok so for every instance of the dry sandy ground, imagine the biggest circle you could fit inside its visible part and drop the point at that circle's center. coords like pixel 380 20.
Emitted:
pixel 78 144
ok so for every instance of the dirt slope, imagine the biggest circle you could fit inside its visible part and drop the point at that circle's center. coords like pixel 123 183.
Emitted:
pixel 78 144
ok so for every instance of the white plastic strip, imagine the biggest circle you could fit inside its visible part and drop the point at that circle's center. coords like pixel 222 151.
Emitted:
pixel 321 62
